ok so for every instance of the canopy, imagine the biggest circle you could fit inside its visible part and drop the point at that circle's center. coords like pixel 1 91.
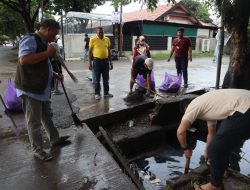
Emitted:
pixel 90 16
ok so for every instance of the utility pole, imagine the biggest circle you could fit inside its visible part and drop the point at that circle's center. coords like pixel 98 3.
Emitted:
pixel 116 31
pixel 40 11
pixel 121 34
pixel 61 13
pixel 221 45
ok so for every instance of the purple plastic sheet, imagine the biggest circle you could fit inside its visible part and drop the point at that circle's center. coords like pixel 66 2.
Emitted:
pixel 141 86
pixel 171 83
pixel 12 102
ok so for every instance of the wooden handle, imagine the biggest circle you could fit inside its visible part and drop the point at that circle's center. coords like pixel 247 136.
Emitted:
pixel 187 163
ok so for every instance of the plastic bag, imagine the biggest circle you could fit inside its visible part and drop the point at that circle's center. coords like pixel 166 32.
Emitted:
pixel 171 83
pixel 12 102
pixel 142 86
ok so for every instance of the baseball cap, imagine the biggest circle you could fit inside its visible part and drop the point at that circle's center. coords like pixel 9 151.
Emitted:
pixel 150 63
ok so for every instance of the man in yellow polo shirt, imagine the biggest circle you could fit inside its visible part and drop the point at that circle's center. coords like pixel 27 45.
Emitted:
pixel 99 48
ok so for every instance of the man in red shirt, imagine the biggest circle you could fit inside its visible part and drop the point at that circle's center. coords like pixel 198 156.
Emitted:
pixel 183 52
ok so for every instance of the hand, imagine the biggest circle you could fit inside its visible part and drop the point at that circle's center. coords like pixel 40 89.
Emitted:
pixel 206 157
pixel 60 77
pixel 51 50
pixel 148 94
pixel 188 153
pixel 169 59
pixel 90 67
pixel 190 58
pixel 110 65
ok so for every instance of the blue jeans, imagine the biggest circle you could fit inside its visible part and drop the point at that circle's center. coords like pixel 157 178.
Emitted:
pixel 181 66
pixel 230 134
pixel 85 54
pixel 101 68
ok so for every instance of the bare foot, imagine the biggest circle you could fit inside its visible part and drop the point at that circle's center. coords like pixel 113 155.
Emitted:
pixel 207 186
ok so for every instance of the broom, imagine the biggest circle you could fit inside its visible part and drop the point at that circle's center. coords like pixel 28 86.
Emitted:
pixel 76 120
pixel 70 74
pixel 61 60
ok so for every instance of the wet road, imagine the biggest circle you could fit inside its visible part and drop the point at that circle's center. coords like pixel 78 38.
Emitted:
pixel 202 74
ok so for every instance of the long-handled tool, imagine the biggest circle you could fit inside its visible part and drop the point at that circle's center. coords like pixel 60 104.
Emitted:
pixel 11 118
pixel 76 120
pixel 72 76
pixel 150 90
pixel 187 164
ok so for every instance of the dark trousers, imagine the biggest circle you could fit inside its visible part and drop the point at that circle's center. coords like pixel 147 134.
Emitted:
pixel 181 66
pixel 231 132
pixel 101 68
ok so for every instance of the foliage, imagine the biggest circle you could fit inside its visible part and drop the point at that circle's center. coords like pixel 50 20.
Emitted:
pixel 8 19
pixel 27 10
pixel 161 55
pixel 199 10
pixel 4 38
pixel 76 5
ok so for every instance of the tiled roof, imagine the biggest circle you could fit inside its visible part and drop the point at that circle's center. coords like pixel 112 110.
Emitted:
pixel 146 14
pixel 208 24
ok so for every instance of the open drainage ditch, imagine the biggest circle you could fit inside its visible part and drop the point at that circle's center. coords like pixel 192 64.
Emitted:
pixel 144 139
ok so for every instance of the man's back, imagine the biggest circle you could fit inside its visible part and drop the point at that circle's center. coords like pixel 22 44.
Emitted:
pixel 218 104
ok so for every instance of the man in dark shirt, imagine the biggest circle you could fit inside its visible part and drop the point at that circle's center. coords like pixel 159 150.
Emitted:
pixel 143 66
pixel 86 49
pixel 183 52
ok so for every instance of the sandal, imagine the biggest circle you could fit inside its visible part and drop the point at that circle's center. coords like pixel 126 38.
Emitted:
pixel 42 155
pixel 198 187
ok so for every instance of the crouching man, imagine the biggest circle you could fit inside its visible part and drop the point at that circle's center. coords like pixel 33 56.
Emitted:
pixel 143 66
pixel 232 106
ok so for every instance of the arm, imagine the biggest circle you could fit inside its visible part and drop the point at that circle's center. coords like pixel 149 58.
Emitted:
pixel 190 51
pixel 110 59
pixel 182 135
pixel 148 83
pixel 147 51
pixel 210 136
pixel 90 58
pixel 35 58
pixel 171 53
pixel 132 80
pixel 135 52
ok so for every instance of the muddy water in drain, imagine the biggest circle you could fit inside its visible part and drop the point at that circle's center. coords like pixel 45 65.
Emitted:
pixel 169 162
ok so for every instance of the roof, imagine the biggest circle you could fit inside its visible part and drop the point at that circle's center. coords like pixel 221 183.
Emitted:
pixel 168 13
pixel 145 14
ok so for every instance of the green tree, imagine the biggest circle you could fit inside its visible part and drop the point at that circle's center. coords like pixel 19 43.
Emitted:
pixel 8 19
pixel 199 10
pixel 236 21
pixel 28 9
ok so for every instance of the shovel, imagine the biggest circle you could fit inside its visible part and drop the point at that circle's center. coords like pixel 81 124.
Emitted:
pixel 187 164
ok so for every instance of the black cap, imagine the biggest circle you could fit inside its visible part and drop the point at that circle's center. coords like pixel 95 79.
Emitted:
pixel 181 29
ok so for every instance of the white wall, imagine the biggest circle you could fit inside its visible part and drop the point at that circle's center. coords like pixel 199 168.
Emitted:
pixel 74 46
pixel 203 33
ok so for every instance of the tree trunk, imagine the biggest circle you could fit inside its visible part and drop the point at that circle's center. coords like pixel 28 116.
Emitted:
pixel 238 73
